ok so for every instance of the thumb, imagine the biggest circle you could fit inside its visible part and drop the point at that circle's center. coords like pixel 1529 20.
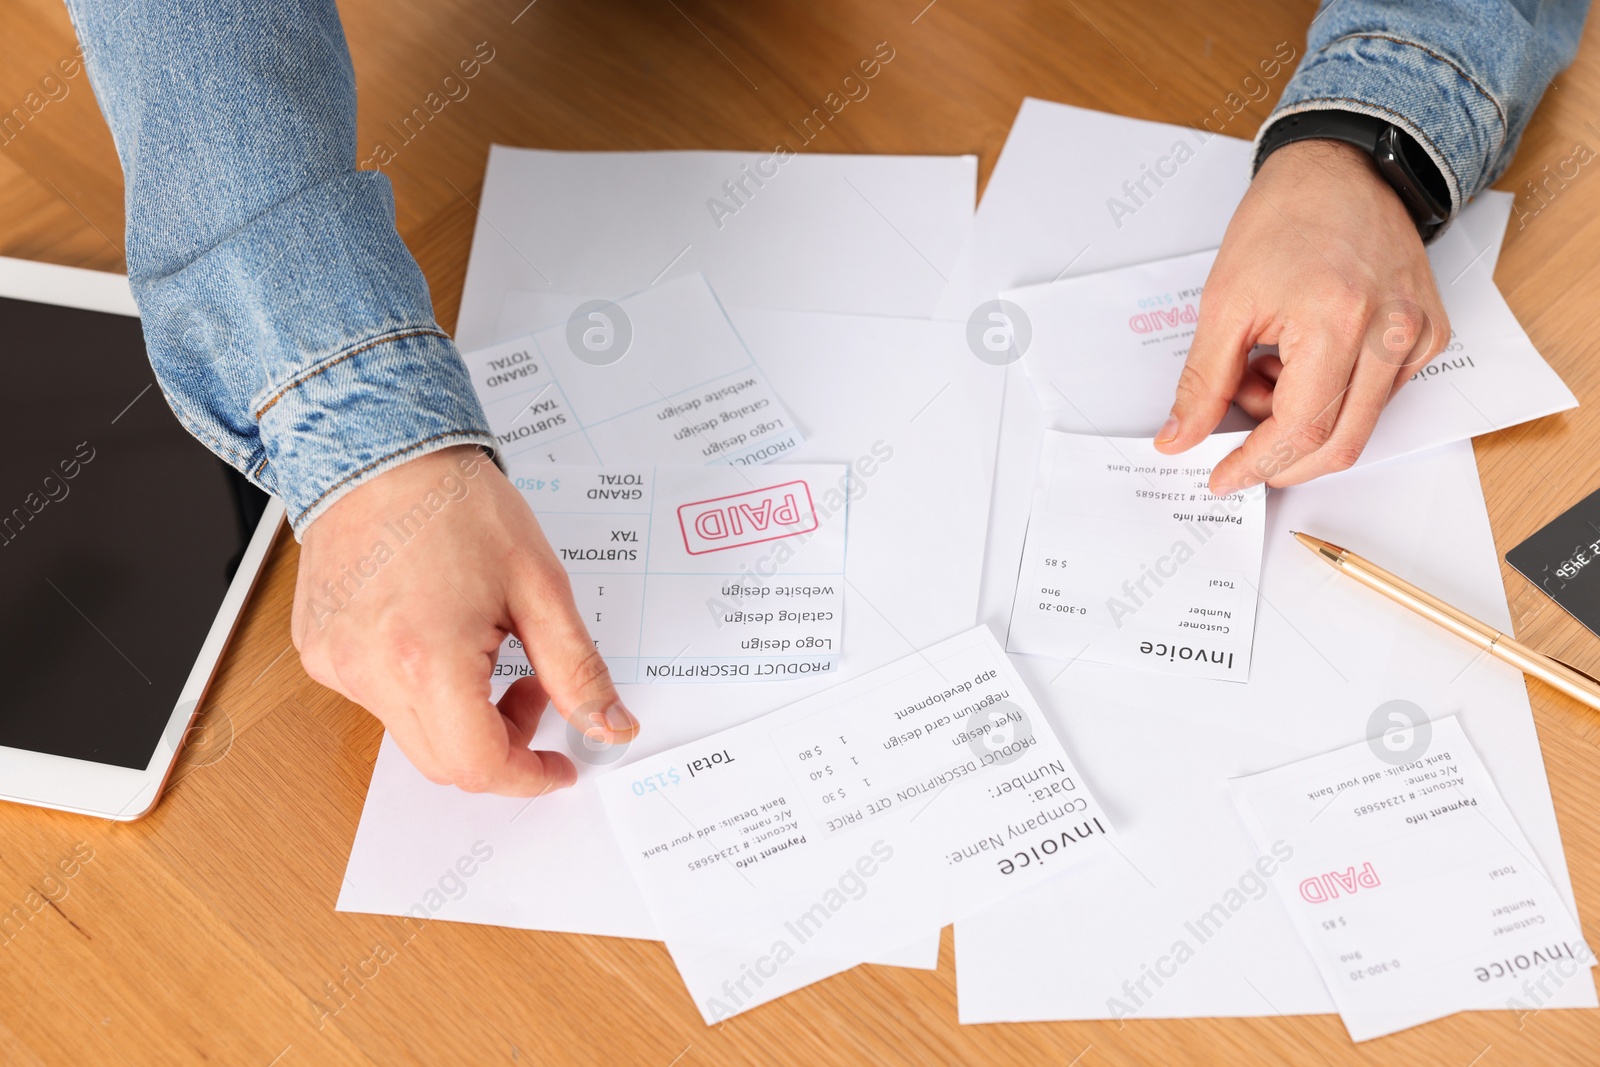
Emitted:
pixel 569 665
pixel 1210 377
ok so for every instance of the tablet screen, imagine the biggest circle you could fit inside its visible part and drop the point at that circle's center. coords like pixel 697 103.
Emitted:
pixel 119 534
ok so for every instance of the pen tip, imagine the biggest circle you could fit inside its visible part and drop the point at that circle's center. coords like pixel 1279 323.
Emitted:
pixel 1326 549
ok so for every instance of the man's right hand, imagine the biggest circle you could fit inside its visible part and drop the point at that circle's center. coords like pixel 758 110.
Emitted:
pixel 1322 260
pixel 407 586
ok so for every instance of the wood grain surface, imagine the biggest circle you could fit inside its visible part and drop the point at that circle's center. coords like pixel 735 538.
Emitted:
pixel 206 933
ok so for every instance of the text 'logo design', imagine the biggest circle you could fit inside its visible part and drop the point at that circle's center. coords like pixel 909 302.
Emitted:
pixel 747 518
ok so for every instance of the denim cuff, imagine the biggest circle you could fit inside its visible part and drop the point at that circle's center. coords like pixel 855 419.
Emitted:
pixel 302 347
pixel 365 411
pixel 1440 105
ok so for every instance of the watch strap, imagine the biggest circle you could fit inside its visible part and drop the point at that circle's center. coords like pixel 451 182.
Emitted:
pixel 1414 176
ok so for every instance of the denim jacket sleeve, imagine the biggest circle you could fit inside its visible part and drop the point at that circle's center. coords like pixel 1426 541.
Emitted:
pixel 288 325
pixel 1461 77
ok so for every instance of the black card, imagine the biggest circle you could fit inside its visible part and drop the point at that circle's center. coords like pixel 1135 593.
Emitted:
pixel 1563 559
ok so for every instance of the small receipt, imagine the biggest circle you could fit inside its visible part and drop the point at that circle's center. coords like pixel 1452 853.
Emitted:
pixel 657 377
pixel 795 846
pixel 1107 350
pixel 691 574
pixel 1409 881
pixel 1131 561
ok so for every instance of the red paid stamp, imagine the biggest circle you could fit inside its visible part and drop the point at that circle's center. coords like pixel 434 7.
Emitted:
pixel 749 518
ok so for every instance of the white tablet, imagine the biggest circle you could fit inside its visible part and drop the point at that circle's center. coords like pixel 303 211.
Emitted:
pixel 126 551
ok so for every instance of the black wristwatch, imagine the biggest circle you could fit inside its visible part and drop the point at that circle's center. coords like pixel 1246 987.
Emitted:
pixel 1402 162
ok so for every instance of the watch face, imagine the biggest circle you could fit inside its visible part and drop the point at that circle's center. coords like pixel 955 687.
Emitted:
pixel 1396 169
pixel 1422 171
pixel 1428 174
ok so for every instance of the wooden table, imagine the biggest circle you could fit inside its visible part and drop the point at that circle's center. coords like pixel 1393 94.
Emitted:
pixel 206 933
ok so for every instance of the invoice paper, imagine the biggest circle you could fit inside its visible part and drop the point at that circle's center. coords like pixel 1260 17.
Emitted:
pixel 1408 880
pixel 660 376
pixel 1130 560
pixel 906 405
pixel 1106 351
pixel 850 822
pixel 697 573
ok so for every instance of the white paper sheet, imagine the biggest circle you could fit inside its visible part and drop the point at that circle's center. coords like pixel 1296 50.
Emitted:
pixel 658 377
pixel 1131 561
pixel 872 235
pixel 1160 759
pixel 1413 889
pixel 1106 351
pixel 905 399
pixel 784 849
pixel 688 574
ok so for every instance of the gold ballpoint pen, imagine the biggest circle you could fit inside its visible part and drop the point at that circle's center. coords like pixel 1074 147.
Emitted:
pixel 1571 681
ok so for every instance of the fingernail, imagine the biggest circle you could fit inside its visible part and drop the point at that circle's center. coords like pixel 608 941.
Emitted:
pixel 1226 490
pixel 620 720
pixel 1168 431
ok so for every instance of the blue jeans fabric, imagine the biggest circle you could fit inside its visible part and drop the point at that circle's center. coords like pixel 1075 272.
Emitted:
pixel 1462 77
pixel 289 326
